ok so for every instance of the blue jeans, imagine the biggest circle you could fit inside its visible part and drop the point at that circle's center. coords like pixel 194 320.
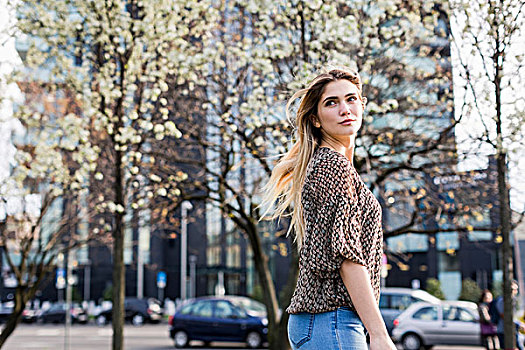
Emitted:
pixel 340 329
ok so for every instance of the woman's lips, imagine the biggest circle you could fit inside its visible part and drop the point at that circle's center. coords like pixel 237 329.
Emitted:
pixel 347 121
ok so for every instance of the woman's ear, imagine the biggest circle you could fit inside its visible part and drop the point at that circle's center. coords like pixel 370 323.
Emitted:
pixel 315 121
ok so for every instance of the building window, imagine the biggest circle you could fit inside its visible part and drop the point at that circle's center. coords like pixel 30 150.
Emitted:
pixel 448 262
pixel 449 274
pixel 447 241
pixel 408 243
pixel 480 236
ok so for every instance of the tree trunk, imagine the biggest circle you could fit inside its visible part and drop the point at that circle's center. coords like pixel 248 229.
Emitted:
pixel 15 316
pixel 508 309
pixel 119 283
pixel 268 287
pixel 277 326
pixel 504 209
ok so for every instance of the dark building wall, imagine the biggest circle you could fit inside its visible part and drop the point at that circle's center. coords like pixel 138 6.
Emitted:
pixel 417 264
pixel 166 253
pixel 281 266
pixel 477 261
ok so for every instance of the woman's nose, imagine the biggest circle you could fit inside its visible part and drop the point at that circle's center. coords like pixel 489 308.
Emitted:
pixel 344 108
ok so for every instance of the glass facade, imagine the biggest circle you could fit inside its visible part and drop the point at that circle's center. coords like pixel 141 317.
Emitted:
pixel 408 243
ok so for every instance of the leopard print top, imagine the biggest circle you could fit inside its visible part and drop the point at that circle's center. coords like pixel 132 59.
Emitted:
pixel 342 221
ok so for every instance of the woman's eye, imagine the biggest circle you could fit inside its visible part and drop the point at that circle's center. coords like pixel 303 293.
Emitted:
pixel 329 103
pixel 352 98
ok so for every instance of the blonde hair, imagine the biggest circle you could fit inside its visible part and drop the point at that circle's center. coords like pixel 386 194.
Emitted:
pixel 285 184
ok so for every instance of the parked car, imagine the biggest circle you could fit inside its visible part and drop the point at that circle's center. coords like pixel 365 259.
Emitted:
pixel 57 314
pixel 228 318
pixel 137 311
pixel 5 312
pixel 29 315
pixel 424 325
pixel 394 301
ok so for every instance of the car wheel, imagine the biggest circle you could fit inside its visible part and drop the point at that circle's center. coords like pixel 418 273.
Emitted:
pixel 181 339
pixel 137 320
pixel 253 340
pixel 101 320
pixel 411 341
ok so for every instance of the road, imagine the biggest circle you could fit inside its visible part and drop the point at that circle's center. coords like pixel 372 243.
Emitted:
pixel 89 337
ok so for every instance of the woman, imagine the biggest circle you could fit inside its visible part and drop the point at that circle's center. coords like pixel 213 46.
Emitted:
pixel 336 220
pixel 488 329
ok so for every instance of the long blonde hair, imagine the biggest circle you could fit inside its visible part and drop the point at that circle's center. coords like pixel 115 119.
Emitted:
pixel 287 179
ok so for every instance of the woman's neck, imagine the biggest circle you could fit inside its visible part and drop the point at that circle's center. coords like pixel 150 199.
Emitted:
pixel 345 148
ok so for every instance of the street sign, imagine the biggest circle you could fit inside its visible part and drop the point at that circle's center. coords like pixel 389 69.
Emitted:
pixel 61 278
pixel 161 279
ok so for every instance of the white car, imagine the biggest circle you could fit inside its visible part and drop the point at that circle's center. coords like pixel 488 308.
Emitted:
pixel 424 325
pixel 394 301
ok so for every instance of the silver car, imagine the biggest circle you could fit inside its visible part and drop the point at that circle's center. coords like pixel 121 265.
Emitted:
pixel 394 301
pixel 424 325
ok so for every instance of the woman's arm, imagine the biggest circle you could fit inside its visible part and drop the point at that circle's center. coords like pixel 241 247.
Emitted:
pixel 357 282
pixel 484 315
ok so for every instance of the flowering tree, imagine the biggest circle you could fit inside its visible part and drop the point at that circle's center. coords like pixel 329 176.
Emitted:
pixel 40 198
pixel 116 56
pixel 490 72
pixel 263 52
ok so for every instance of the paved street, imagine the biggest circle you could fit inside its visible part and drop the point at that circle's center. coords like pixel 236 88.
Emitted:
pixel 89 337
pixel 84 337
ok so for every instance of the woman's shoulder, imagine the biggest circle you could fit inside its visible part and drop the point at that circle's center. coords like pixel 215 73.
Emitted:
pixel 329 170
pixel 330 161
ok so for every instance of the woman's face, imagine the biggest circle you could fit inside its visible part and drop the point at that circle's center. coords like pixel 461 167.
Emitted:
pixel 340 110
pixel 487 298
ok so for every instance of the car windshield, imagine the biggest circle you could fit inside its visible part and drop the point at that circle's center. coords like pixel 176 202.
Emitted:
pixel 252 307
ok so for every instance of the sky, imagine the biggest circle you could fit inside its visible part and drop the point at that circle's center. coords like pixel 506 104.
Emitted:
pixel 8 60
pixel 9 126
pixel 472 126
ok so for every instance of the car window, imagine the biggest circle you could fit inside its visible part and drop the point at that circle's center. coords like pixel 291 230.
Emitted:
pixel 224 309
pixel 453 313
pixel 450 313
pixel 400 302
pixel 202 309
pixel 58 307
pixel 465 316
pixel 429 313
pixel 187 309
pixel 249 305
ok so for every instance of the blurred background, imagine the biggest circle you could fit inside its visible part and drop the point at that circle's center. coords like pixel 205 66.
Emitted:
pixel 135 137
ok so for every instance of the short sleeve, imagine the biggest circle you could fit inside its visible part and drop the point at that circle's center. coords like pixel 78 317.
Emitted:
pixel 346 230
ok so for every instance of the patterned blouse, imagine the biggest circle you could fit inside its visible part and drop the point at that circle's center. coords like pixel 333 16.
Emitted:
pixel 342 221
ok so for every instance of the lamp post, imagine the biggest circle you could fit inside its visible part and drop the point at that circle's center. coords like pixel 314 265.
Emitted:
pixel 193 263
pixel 87 280
pixel 185 206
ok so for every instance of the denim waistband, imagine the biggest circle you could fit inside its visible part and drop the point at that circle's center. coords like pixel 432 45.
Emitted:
pixel 340 329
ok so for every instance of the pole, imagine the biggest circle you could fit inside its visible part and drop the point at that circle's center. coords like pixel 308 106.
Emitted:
pixel 69 294
pixel 161 295
pixel 185 206
pixel 87 281
pixel 140 272
pixel 193 261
